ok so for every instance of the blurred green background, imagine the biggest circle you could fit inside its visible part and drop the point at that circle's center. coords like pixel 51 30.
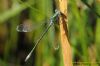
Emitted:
pixel 83 27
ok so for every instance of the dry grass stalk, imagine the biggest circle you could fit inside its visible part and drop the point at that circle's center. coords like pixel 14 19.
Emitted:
pixel 66 49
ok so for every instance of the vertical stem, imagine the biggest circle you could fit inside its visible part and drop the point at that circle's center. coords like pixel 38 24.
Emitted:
pixel 66 49
pixel 4 45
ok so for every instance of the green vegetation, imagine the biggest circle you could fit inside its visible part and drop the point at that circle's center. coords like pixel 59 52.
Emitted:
pixel 83 26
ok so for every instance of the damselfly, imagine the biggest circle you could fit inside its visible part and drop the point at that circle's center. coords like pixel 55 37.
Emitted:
pixel 28 28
